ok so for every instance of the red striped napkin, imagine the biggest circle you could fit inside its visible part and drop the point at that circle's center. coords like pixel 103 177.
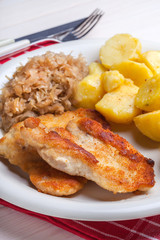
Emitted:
pixel 139 229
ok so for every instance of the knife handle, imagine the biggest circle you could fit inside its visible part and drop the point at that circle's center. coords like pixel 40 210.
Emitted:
pixel 5 50
pixel 23 47
pixel 5 42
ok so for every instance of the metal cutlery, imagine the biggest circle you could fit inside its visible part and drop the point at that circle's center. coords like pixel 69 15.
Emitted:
pixel 67 35
pixel 81 30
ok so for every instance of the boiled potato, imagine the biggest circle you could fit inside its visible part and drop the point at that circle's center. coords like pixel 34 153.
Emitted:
pixel 119 48
pixel 111 80
pixel 138 72
pixel 152 60
pixel 89 91
pixel 149 124
pixel 148 96
pixel 118 105
pixel 96 68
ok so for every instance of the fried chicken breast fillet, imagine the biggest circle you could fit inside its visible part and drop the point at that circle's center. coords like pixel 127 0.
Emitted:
pixel 51 121
pixel 44 177
pixel 86 149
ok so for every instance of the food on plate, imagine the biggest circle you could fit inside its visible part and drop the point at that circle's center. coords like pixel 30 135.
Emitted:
pixel 45 178
pixel 45 84
pixel 120 48
pixel 128 84
pixel 96 68
pixel 111 80
pixel 123 53
pixel 152 60
pixel 60 151
pixel 90 89
pixel 149 124
pixel 119 105
pixel 86 149
pixel 138 72
pixel 111 91
pixel 52 181
pixel 51 121
pixel 148 96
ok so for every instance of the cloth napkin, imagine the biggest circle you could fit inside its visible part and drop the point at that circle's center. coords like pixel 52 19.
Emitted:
pixel 138 229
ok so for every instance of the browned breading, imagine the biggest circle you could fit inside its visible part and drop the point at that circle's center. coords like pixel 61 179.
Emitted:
pixel 42 175
pixel 92 152
pixel 133 167
pixel 51 121
pixel 93 128
pixel 52 181
pixel 45 178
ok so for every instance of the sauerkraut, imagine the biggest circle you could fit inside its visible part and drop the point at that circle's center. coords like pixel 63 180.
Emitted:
pixel 45 84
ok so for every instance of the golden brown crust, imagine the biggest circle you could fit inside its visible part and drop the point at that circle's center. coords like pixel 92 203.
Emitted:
pixel 51 181
pixel 125 149
pixel 87 149
pixel 51 121
pixel 133 161
pixel 53 140
pixel 31 122
pixel 79 143
pixel 92 114
pixel 43 176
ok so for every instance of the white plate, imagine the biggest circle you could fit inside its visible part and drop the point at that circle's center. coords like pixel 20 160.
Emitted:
pixel 92 203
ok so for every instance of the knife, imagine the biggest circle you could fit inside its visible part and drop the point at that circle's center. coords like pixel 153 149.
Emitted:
pixel 9 46
pixel 49 32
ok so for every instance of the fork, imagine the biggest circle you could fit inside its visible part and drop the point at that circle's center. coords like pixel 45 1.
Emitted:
pixel 81 30
pixel 71 34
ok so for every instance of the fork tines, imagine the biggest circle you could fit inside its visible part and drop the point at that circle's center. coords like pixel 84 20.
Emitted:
pixel 88 24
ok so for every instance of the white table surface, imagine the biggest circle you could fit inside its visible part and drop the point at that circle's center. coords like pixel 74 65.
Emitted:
pixel 141 18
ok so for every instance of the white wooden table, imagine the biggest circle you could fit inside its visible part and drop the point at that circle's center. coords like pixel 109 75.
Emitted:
pixel 141 18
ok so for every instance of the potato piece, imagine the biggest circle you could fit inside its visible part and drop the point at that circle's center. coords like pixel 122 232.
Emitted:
pixel 119 48
pixel 149 124
pixel 118 105
pixel 152 60
pixel 89 91
pixel 96 68
pixel 111 80
pixel 138 72
pixel 148 96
